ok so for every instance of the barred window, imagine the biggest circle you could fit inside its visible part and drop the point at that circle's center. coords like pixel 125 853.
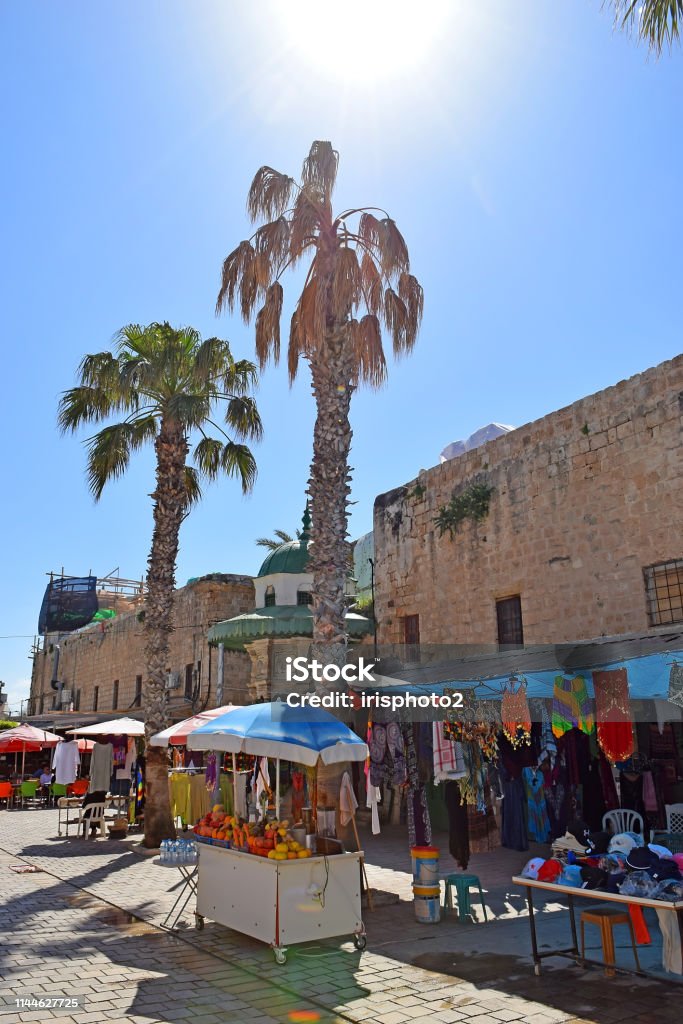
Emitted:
pixel 304 597
pixel 270 597
pixel 664 592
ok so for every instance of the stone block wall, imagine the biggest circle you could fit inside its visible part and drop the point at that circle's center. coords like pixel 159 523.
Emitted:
pixel 102 653
pixel 582 501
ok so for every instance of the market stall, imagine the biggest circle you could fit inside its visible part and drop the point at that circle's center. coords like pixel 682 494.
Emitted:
pixel 269 885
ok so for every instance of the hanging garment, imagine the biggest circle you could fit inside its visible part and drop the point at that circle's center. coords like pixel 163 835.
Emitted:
pixel 65 762
pixel 538 823
pixel 419 823
pixel 458 826
pixel 241 787
pixel 671 945
pixel 676 684
pixel 649 794
pixel 448 757
pixel 211 773
pixel 473 782
pixel 120 749
pixel 548 744
pixel 101 767
pixel 372 799
pixel 514 833
pixel 298 795
pixel 377 744
pixel 516 714
pixel 179 791
pixel 556 804
pixel 262 784
pixel 124 770
pixel 396 751
pixel 613 714
pixel 571 706
pixel 609 786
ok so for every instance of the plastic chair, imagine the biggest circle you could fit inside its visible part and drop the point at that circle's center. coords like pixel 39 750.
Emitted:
pixel 28 791
pixel 78 788
pixel 606 919
pixel 462 884
pixel 623 820
pixel 57 789
pixel 92 815
pixel 674 817
pixel 7 793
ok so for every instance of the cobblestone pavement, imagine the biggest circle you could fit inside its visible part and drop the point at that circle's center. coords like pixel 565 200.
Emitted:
pixel 87 926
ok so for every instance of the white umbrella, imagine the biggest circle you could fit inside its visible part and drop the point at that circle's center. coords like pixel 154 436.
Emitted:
pixel 116 727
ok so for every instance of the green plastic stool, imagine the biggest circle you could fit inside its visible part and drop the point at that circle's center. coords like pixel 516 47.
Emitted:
pixel 462 885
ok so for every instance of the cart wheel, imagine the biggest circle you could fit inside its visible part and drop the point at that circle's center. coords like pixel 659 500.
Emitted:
pixel 280 955
pixel 360 941
pixel 199 922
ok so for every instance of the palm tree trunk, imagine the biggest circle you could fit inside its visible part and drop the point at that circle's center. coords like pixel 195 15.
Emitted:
pixel 332 374
pixel 169 505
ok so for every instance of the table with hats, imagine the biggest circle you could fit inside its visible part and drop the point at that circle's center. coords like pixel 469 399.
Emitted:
pixel 625 875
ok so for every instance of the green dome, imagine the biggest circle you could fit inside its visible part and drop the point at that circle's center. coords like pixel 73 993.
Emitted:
pixel 291 556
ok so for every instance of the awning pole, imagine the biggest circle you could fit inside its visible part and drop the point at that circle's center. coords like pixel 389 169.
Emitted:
pixel 277 788
pixel 234 784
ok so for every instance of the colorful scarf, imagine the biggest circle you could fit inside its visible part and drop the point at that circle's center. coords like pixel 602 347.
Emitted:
pixel 571 706
pixel 613 714
pixel 475 722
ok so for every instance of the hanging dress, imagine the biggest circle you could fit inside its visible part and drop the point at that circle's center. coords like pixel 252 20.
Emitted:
pixel 515 714
pixel 538 823
pixel 613 714
pixel 571 706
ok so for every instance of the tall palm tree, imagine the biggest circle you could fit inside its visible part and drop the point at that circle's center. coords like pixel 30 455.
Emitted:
pixel 166 383
pixel 358 283
pixel 281 537
pixel 658 22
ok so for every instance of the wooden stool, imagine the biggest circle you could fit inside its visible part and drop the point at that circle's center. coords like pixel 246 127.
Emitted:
pixel 462 884
pixel 606 918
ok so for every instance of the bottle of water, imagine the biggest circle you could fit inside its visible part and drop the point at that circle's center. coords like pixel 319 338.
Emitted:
pixel 163 852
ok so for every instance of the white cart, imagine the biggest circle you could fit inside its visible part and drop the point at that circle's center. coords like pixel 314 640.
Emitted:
pixel 281 902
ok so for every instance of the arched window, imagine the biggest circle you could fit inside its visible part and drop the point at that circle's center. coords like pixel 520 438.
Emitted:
pixel 304 596
pixel 270 597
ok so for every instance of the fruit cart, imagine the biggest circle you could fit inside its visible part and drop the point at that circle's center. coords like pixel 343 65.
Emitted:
pixel 279 897
pixel 281 902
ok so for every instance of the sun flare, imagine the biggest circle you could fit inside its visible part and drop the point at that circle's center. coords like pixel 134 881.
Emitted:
pixel 359 42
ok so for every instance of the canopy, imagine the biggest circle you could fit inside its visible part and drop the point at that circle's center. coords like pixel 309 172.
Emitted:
pixel 304 735
pixel 176 735
pixel 86 746
pixel 116 727
pixel 27 737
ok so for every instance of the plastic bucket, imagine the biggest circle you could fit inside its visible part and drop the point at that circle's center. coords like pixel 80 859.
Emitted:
pixel 427 903
pixel 425 864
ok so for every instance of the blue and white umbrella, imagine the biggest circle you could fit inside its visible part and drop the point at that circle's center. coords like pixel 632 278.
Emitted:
pixel 303 735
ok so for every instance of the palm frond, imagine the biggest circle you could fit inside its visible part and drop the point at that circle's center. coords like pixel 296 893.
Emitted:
pixel 214 457
pixel 99 370
pixel 410 291
pixel 372 283
pixel 243 416
pixel 210 359
pixel 268 325
pixel 305 224
pixel 109 450
pixel 311 315
pixel 267 542
pixel 234 267
pixel 285 538
pixel 83 405
pixel 295 347
pixel 370 231
pixel 269 194
pixel 320 168
pixel 347 289
pixel 393 251
pixel 190 409
pixel 396 319
pixel 366 337
pixel 253 284
pixel 272 241
pixel 658 22
pixel 193 490
pixel 240 378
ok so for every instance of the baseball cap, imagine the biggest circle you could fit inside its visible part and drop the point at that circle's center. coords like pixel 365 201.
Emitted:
pixel 532 866
pixel 550 871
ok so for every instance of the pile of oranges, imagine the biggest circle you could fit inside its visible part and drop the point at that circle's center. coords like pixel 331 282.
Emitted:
pixel 264 839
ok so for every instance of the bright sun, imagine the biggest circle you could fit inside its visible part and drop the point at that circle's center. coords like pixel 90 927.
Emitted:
pixel 363 41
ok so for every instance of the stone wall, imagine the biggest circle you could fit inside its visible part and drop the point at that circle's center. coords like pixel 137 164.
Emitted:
pixel 104 652
pixel 582 501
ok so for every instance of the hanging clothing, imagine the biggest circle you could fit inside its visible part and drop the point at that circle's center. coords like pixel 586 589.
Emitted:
pixel 372 799
pixel 514 833
pixel 676 684
pixel 671 945
pixel 613 714
pixel 120 750
pixel 419 823
pixel 124 770
pixel 65 761
pixel 211 772
pixel 458 826
pixel 556 804
pixel 538 823
pixel 473 782
pixel 448 756
pixel 101 767
pixel 548 744
pixel 298 794
pixel 516 714
pixel 571 706
pixel 397 754
pixel 650 794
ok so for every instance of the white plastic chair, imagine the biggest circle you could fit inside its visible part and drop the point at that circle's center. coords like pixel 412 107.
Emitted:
pixel 674 817
pixel 91 815
pixel 623 820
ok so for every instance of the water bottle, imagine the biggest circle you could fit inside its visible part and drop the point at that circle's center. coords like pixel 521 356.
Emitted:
pixel 163 852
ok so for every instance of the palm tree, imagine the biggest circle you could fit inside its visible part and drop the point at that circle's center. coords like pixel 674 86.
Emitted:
pixel 281 537
pixel 166 382
pixel 658 22
pixel 358 282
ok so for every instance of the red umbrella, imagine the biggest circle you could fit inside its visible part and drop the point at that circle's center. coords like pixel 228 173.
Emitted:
pixel 26 737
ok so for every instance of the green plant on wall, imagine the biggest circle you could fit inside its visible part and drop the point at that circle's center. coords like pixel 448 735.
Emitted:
pixel 472 503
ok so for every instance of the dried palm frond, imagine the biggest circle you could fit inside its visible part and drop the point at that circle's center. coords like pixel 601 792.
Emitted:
pixel 410 290
pixel 369 356
pixel 372 283
pixel 346 283
pixel 396 319
pixel 370 231
pixel 253 284
pixel 268 325
pixel 305 224
pixel 393 252
pixel 270 194
pixel 272 241
pixel 311 315
pixel 234 267
pixel 295 344
pixel 320 168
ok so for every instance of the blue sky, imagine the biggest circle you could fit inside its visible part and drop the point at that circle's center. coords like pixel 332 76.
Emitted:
pixel 531 156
